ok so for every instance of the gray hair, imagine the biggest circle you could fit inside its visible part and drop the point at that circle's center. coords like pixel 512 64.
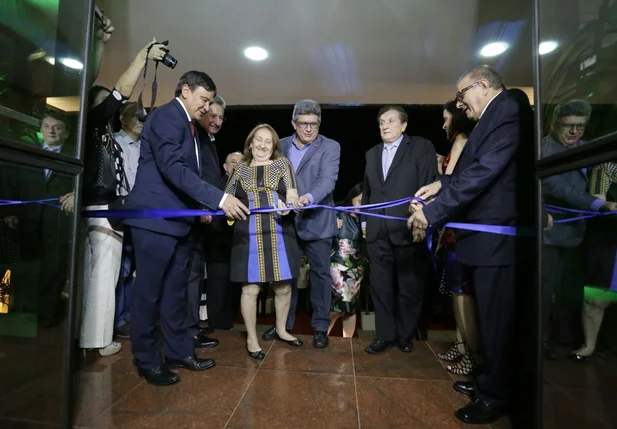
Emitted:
pixel 219 100
pixel 306 107
pixel 571 108
pixel 484 72
pixel 232 153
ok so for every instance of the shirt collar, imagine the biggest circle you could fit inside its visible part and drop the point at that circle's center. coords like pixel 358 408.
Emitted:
pixel 184 108
pixel 489 102
pixel 293 141
pixel 56 149
pixel 396 143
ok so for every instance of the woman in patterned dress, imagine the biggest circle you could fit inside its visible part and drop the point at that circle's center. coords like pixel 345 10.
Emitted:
pixel 264 246
pixel 347 265
pixel 601 243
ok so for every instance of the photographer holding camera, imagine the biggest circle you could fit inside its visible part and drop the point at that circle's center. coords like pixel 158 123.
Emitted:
pixel 103 177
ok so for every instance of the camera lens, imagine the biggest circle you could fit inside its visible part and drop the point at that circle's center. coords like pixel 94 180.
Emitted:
pixel 169 61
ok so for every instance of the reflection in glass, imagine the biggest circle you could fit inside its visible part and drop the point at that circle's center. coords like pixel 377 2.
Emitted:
pixel 582 61
pixel 41 45
pixel 579 283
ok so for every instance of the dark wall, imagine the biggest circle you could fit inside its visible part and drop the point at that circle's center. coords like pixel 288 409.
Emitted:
pixel 355 128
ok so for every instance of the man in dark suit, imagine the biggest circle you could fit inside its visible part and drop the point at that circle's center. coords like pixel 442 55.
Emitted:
pixel 169 176
pixel 315 159
pixel 395 169
pixel 483 190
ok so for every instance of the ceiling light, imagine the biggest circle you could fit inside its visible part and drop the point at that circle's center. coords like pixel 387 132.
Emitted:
pixel 255 53
pixel 50 60
pixel 548 46
pixel 494 49
pixel 71 63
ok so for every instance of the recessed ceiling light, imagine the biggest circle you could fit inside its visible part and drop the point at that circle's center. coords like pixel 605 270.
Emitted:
pixel 71 63
pixel 255 53
pixel 548 46
pixel 494 49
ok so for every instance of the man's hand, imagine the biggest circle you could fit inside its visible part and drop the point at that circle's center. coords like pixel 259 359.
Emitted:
pixel 418 235
pixel 364 230
pixel 414 206
pixel 234 209
pixel 418 224
pixel 282 205
pixel 429 191
pixel 104 33
pixel 67 203
pixel 302 201
pixel 339 223
pixel 206 220
pixel 11 222
pixel 549 223
pixel 609 206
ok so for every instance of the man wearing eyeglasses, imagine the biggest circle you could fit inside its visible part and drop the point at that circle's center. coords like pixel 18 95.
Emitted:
pixel 315 159
pixel 560 253
pixel 483 190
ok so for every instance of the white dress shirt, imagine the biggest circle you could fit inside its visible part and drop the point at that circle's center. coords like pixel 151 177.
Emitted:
pixel 489 102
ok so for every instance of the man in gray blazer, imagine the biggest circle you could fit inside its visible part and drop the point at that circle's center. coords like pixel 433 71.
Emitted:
pixel 315 159
pixel 568 190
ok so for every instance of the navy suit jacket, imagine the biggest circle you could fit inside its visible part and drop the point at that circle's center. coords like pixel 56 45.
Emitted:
pixel 168 175
pixel 316 175
pixel 482 189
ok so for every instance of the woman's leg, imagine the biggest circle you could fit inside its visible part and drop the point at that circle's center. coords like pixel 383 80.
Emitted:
pixel 282 300
pixel 334 316
pixel 349 325
pixel 593 313
pixel 460 326
pixel 248 307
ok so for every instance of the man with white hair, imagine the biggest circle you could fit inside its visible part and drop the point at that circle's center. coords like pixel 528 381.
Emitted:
pixel 315 159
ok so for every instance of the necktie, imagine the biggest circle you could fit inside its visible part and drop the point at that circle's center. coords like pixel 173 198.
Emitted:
pixel 193 129
pixel 387 160
pixel 47 171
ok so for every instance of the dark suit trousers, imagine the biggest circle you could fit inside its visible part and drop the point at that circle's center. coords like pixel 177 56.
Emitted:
pixel 194 290
pixel 162 264
pixel 318 252
pixel 221 296
pixel 397 303
pixel 561 277
pixel 494 291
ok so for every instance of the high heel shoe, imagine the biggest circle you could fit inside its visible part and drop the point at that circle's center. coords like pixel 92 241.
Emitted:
pixel 465 367
pixel 259 355
pixel 452 355
pixel 578 357
pixel 296 342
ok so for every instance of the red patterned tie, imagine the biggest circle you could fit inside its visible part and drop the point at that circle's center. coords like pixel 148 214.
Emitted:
pixel 192 128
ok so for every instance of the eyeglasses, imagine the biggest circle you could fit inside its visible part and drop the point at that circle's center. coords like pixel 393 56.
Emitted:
pixel 215 117
pixel 460 94
pixel 580 126
pixel 305 125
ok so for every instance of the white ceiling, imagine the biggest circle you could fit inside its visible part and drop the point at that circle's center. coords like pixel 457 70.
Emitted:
pixel 334 51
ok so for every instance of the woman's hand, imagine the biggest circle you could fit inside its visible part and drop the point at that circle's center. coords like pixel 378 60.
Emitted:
pixel 282 205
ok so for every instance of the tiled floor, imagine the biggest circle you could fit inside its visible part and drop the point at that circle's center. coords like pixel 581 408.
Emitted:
pixel 339 387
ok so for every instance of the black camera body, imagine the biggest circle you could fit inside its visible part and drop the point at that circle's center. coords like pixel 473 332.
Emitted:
pixel 168 60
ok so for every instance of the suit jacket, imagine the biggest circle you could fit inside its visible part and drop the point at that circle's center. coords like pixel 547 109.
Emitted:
pixel 569 190
pixel 168 175
pixel 316 175
pixel 413 166
pixel 211 170
pixel 483 187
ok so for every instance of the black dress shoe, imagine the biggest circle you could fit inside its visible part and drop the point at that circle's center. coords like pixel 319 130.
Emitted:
pixel 160 376
pixel 294 343
pixel 203 342
pixel 377 346
pixel 259 355
pixel 479 412
pixel 205 331
pixel 192 363
pixel 465 387
pixel 404 345
pixel 123 332
pixel 320 340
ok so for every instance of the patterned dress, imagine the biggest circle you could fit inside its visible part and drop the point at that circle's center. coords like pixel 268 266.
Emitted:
pixel 264 246
pixel 347 265
pixel 601 239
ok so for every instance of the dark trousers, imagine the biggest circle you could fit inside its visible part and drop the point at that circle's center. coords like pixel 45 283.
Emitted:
pixel 195 286
pixel 494 292
pixel 561 277
pixel 124 288
pixel 397 281
pixel 318 252
pixel 54 271
pixel 162 264
pixel 222 298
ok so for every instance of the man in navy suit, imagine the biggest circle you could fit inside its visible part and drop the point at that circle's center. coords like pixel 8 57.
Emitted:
pixel 315 159
pixel 483 190
pixel 169 177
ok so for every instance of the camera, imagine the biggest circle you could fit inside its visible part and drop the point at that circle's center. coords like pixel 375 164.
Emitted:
pixel 168 60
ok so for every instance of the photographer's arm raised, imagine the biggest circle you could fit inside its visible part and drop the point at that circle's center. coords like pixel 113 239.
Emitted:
pixel 126 84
